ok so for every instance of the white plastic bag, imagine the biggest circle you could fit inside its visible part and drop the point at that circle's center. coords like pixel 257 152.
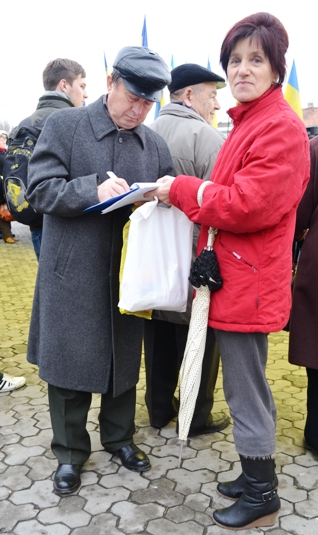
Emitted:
pixel 158 259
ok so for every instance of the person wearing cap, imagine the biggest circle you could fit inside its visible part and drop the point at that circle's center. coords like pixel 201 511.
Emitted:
pixel 78 338
pixel 186 126
pixel 5 226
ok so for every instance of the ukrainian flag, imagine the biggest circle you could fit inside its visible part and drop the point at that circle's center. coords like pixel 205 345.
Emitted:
pixel 162 102
pixel 105 63
pixel 292 92
pixel 144 38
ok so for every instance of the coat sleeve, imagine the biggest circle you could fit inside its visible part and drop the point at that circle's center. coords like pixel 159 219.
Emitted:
pixel 50 188
pixel 268 183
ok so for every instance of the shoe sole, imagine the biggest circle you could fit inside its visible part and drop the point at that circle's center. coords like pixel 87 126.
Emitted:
pixel 210 430
pixel 65 492
pixel 136 469
pixel 263 522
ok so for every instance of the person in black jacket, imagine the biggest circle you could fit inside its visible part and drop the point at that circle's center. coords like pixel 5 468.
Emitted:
pixel 65 86
pixel 5 226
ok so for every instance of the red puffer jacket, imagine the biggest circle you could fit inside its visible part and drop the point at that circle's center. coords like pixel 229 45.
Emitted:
pixel 258 180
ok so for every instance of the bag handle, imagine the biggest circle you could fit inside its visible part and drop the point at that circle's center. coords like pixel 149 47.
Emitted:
pixel 212 232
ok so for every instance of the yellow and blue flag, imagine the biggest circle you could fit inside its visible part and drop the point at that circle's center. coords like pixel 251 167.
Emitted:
pixel 105 63
pixel 292 94
pixel 214 122
pixel 162 101
pixel 144 38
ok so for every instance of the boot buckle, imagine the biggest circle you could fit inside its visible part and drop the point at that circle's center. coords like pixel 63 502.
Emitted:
pixel 268 496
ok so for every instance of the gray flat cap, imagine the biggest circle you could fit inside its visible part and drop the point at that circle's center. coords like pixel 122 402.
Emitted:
pixel 144 72
pixel 192 74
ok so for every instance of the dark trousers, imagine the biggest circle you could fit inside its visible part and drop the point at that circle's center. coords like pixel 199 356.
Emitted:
pixel 164 345
pixel 5 229
pixel 311 426
pixel 68 410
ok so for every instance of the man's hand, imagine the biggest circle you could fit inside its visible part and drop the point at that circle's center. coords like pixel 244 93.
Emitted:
pixel 111 188
pixel 163 190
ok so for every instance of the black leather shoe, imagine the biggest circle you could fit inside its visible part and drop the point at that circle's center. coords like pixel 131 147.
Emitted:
pixel 219 422
pixel 133 458
pixel 67 478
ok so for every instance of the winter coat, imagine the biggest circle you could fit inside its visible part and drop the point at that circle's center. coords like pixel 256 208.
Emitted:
pixel 257 183
pixel 303 341
pixel 194 145
pixel 77 336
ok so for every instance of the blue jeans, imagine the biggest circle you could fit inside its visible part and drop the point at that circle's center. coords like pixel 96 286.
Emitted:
pixel 36 236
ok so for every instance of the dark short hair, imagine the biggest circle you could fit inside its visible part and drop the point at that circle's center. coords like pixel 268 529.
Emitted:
pixel 268 31
pixel 116 77
pixel 60 69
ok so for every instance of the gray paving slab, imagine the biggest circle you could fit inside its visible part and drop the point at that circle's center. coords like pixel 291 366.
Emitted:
pixel 166 500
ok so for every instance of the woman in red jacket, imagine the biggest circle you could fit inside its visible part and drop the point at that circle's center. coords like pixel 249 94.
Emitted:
pixel 256 185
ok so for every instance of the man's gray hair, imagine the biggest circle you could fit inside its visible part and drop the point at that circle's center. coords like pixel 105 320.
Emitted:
pixel 176 96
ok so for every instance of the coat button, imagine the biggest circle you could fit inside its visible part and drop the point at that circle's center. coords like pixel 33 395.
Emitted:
pixel 120 140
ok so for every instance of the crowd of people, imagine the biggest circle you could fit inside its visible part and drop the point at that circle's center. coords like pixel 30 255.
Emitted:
pixel 247 186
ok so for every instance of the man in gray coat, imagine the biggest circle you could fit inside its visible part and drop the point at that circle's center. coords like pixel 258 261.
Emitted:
pixel 78 338
pixel 186 125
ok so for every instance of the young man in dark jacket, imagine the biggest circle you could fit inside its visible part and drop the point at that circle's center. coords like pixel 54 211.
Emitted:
pixel 65 87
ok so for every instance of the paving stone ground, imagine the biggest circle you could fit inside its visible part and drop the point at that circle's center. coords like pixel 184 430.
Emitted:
pixel 167 500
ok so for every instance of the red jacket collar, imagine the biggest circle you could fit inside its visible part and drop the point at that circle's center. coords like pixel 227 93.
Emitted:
pixel 238 113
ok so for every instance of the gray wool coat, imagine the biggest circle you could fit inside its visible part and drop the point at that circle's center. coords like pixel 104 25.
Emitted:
pixel 77 335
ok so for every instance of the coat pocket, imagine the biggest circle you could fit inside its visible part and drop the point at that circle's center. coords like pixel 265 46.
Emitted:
pixel 64 252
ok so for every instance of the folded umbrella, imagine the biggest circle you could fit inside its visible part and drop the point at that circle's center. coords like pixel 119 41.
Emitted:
pixel 205 277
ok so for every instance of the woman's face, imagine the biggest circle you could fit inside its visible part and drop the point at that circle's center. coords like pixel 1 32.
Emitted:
pixel 249 71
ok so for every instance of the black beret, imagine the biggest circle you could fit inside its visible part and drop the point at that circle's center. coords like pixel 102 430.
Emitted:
pixel 144 72
pixel 192 74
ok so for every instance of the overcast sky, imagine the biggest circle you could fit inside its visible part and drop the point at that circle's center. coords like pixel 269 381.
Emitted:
pixel 34 32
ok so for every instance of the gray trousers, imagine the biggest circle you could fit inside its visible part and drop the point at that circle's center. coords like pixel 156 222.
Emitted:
pixel 68 410
pixel 247 392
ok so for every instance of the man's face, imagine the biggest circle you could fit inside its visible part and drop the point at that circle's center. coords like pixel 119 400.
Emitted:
pixel 203 99
pixel 126 109
pixel 77 91
pixel 3 141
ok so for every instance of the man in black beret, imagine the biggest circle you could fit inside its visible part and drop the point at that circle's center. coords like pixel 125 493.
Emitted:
pixel 186 126
pixel 78 338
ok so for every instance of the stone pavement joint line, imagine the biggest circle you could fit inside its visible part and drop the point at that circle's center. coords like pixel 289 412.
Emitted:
pixel 167 500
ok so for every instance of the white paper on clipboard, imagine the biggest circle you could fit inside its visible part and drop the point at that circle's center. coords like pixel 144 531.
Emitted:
pixel 135 194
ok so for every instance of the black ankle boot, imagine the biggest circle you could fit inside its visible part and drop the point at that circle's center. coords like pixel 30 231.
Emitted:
pixel 232 489
pixel 259 503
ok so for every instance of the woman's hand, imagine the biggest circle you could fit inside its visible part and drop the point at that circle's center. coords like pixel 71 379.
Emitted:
pixel 163 190
pixel 111 188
